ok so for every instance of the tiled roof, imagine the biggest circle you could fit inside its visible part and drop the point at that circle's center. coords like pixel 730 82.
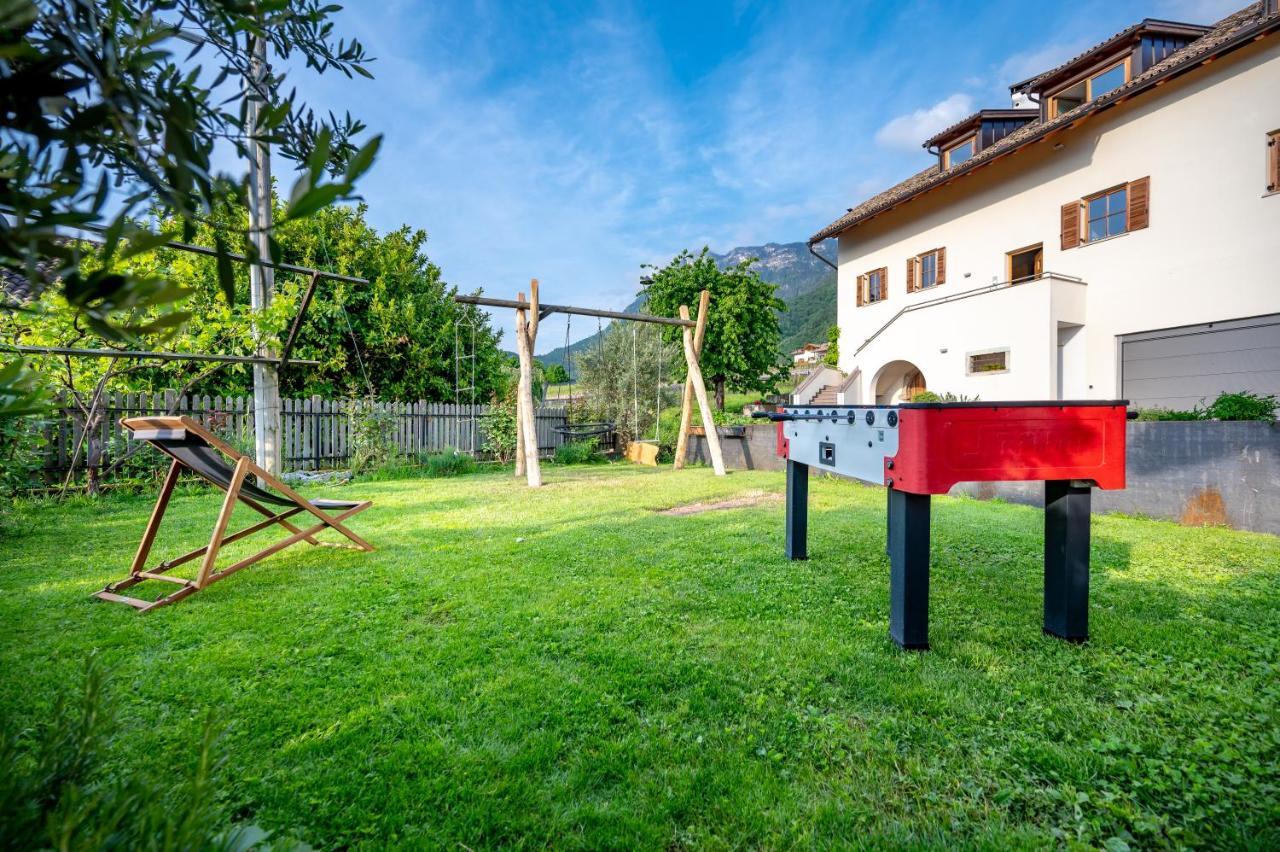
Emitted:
pixel 1227 34
pixel 1124 35
pixel 975 118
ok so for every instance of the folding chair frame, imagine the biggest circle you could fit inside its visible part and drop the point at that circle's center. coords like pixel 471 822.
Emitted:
pixel 208 554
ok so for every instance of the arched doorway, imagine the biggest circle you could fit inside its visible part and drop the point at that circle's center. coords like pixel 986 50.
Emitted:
pixel 898 381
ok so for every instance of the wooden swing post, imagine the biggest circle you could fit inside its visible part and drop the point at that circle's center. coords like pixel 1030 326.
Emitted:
pixel 686 402
pixel 700 392
pixel 526 425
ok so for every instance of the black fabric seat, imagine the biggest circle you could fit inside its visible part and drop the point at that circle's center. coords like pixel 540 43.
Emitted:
pixel 211 465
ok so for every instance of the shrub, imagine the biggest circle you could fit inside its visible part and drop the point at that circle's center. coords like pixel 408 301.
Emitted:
pixel 578 452
pixel 1242 406
pixel 450 462
pixel 1148 415
pixel 1228 406
pixel 930 396
pixel 371 429
pixel 499 428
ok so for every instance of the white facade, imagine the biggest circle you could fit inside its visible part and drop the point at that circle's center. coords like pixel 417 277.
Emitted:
pixel 1211 251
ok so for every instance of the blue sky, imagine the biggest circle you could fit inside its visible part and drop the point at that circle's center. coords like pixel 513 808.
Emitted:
pixel 573 141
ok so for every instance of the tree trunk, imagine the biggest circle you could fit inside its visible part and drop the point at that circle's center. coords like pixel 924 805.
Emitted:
pixel 718 381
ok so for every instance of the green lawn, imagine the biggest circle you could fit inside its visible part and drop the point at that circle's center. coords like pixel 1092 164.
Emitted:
pixel 569 668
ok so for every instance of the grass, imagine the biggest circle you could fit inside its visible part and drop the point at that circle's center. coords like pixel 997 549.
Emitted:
pixel 569 668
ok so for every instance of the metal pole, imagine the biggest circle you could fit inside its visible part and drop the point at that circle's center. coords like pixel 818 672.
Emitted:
pixel 266 380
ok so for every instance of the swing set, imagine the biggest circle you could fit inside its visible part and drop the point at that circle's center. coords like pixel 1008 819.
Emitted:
pixel 531 311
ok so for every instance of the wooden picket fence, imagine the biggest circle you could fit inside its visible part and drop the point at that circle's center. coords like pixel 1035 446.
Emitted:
pixel 315 432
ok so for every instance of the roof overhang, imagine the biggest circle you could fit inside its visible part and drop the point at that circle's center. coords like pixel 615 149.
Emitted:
pixel 1246 35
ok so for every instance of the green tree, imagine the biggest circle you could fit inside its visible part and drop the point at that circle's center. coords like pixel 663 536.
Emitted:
pixel 620 376
pixel 400 328
pixel 742 337
pixel 556 374
pixel 104 112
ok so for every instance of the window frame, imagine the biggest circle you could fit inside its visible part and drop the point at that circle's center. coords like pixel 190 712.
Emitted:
pixel 864 295
pixel 977 353
pixel 971 140
pixel 918 260
pixel 1008 263
pixel 1085 220
pixel 1109 64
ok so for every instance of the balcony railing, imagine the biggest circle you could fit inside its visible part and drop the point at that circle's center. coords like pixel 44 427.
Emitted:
pixel 966 294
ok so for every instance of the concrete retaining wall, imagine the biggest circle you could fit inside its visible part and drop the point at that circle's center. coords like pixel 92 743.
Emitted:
pixel 1191 472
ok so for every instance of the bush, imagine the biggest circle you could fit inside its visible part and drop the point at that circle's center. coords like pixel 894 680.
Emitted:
pixel 499 429
pixel 930 396
pixel 1242 406
pixel 1228 406
pixel 450 462
pixel 371 430
pixel 578 452
pixel 1148 415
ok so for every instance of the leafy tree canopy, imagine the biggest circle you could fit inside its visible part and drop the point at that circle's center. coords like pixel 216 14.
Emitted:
pixel 741 344
pixel 110 108
pixel 400 328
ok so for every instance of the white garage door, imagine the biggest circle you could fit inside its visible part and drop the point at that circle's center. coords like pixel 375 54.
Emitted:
pixel 1179 367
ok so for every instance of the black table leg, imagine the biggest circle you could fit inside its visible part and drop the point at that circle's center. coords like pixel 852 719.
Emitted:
pixel 1066 560
pixel 909 569
pixel 797 510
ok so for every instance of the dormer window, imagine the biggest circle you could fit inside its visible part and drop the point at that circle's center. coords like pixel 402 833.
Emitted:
pixel 1094 86
pixel 957 154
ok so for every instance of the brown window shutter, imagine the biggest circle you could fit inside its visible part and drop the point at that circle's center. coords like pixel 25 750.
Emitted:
pixel 1070 225
pixel 942 266
pixel 1139 203
pixel 1273 161
pixel 884 283
pixel 911 275
pixel 862 289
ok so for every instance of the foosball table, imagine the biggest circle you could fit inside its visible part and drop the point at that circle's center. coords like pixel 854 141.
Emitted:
pixel 919 449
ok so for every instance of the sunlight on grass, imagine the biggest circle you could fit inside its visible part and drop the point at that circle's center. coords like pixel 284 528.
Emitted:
pixel 569 667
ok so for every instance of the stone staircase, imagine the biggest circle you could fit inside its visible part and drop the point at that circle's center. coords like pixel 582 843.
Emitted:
pixel 826 396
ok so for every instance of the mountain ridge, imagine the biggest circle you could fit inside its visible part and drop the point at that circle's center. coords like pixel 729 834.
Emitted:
pixel 804 282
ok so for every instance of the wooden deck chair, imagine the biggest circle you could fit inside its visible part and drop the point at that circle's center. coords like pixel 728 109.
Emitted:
pixel 195 448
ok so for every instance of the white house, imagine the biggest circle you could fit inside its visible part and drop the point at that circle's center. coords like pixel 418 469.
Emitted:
pixel 810 353
pixel 1114 235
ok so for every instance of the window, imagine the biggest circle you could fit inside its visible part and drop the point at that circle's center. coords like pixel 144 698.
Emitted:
pixel 1095 86
pixel 957 154
pixel 991 361
pixel 1273 161
pixel 873 286
pixel 927 270
pixel 1106 214
pixel 1025 263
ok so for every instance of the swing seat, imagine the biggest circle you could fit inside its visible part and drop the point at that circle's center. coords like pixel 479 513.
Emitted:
pixel 643 452
pixel 576 431
pixel 194 448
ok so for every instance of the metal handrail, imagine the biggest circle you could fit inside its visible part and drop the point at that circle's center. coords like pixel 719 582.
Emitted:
pixel 955 297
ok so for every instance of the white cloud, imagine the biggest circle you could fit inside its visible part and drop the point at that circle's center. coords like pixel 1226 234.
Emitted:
pixel 909 131
pixel 1030 63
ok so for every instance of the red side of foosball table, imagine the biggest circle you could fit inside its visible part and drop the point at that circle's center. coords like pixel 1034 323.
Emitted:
pixel 941 445
pixel 784 447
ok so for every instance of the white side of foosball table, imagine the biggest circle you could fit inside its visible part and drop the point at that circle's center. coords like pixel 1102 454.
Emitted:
pixel 860 448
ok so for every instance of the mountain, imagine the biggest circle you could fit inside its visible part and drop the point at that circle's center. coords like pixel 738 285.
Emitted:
pixel 806 284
